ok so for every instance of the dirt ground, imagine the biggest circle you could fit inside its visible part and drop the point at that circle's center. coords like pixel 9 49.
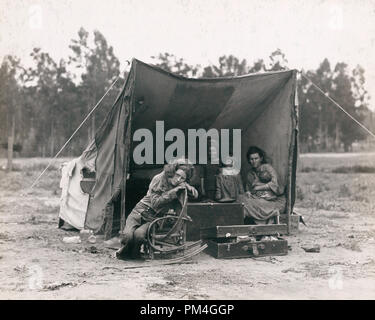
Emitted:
pixel 339 210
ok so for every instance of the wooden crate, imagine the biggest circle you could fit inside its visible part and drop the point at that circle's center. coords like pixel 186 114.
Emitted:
pixel 205 215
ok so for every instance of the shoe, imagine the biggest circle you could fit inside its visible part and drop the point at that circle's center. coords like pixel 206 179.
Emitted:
pixel 122 254
pixel 113 243
pixel 265 238
pixel 273 238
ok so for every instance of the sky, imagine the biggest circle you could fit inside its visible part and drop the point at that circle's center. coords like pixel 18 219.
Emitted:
pixel 200 31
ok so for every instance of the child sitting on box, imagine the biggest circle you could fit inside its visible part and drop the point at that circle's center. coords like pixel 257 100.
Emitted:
pixel 228 183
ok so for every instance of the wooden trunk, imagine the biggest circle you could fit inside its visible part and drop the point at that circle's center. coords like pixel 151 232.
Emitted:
pixel 205 215
pixel 245 241
pixel 246 248
pixel 243 230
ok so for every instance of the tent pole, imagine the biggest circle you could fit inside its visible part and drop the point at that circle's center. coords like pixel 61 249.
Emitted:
pixel 127 146
pixel 292 151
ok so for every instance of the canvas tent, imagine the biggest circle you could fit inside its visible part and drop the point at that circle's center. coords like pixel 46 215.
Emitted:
pixel 263 106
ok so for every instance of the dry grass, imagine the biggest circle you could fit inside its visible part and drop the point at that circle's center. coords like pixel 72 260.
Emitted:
pixel 27 170
pixel 327 182
pixel 337 162
pixel 33 164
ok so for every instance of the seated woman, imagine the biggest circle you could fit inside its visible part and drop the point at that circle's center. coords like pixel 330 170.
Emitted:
pixel 161 197
pixel 228 183
pixel 264 197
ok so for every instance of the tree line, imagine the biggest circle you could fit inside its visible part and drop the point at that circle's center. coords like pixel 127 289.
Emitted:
pixel 42 105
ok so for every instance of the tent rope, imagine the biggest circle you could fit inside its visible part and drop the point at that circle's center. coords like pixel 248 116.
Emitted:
pixel 75 131
pixel 337 105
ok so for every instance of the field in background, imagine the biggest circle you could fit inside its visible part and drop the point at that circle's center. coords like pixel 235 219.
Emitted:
pixel 328 181
pixel 325 162
pixel 33 164
pixel 336 181
pixel 334 196
pixel 332 162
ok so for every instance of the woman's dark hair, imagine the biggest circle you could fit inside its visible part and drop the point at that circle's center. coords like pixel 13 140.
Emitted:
pixel 255 149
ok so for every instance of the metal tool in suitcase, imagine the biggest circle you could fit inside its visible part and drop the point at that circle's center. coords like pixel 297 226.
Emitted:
pixel 245 241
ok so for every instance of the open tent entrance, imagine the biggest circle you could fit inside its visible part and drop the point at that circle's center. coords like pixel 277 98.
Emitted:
pixel 262 106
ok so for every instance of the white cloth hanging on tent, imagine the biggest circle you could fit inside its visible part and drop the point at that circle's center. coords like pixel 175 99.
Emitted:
pixel 73 202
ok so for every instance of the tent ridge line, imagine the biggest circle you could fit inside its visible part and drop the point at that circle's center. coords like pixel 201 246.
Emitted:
pixel 216 79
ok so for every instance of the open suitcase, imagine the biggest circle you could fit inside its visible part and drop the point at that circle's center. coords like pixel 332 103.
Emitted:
pixel 244 241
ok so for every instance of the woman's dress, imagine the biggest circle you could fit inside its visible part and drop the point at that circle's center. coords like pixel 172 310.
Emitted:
pixel 263 205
